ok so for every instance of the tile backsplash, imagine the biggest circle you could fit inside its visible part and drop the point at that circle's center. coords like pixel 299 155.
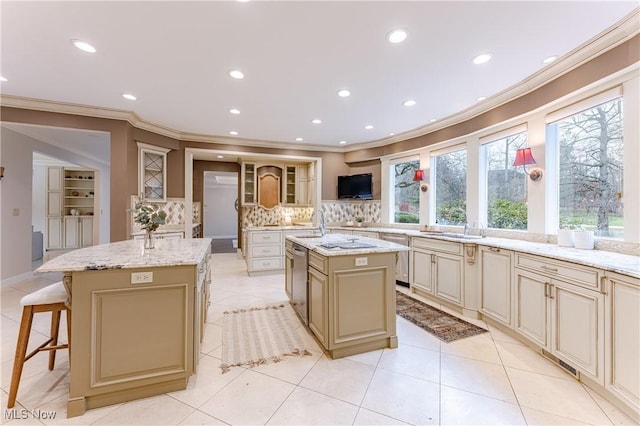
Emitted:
pixel 175 209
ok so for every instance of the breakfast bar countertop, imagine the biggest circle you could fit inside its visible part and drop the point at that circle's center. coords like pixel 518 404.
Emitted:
pixel 130 254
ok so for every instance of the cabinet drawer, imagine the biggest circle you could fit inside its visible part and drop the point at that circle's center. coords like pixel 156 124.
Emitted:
pixel 270 250
pixel 318 262
pixel 439 245
pixel 266 263
pixel 266 237
pixel 577 274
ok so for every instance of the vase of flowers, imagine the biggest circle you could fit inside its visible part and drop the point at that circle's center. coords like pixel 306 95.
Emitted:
pixel 150 217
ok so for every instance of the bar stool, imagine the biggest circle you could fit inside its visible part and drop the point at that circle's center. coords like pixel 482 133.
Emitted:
pixel 52 299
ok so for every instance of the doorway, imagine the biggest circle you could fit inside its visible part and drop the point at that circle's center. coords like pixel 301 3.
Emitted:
pixel 220 210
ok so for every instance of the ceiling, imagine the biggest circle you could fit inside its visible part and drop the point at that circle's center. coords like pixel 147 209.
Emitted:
pixel 175 57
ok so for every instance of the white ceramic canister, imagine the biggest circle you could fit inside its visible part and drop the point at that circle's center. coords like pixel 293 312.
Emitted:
pixel 565 237
pixel 584 240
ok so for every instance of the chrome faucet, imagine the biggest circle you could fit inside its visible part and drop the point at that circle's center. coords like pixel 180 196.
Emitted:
pixel 459 209
pixel 320 218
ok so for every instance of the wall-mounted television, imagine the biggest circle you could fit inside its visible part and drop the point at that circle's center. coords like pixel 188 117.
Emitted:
pixel 356 186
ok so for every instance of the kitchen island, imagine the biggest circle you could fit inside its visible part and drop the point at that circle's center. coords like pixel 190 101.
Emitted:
pixel 137 318
pixel 347 294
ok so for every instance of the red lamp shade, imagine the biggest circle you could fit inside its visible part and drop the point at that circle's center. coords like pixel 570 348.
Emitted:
pixel 523 157
pixel 419 176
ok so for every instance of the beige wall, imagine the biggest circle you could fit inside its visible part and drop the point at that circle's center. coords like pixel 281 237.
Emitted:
pixel 124 155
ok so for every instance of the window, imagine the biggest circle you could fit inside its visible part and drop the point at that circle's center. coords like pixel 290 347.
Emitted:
pixel 406 192
pixel 590 160
pixel 451 187
pixel 506 185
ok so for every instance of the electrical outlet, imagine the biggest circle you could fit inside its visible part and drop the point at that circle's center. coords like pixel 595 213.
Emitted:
pixel 362 261
pixel 141 277
pixel 15 212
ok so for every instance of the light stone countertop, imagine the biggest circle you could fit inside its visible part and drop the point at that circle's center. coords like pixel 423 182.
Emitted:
pixel 380 246
pixel 280 228
pixel 607 260
pixel 130 254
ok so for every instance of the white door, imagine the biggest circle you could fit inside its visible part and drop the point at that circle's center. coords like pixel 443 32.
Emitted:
pixel 220 210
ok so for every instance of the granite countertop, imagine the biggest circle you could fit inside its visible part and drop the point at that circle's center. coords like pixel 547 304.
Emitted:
pixel 316 244
pixel 130 254
pixel 611 261
pixel 279 228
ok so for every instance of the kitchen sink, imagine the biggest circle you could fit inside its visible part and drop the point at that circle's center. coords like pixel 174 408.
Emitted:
pixel 309 236
pixel 461 236
pixel 346 245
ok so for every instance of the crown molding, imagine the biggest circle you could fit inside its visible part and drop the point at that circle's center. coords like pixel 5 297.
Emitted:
pixel 625 29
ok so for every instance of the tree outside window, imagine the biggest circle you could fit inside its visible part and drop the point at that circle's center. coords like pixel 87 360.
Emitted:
pixel 406 207
pixel 506 185
pixel 590 175
pixel 451 187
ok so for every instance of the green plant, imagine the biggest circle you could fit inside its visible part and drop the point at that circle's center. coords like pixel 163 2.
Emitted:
pixel 150 217
pixel 406 217
pixel 506 214
pixel 359 219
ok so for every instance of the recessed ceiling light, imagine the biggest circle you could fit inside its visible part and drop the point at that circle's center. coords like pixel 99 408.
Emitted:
pixel 316 121
pixel 3 78
pixel 391 134
pixel 549 59
pixel 343 93
pixel 238 75
pixel 234 111
pixel 368 127
pixel 219 156
pixel 397 36
pixel 409 102
pixel 242 1
pixel 482 58
pixel 481 98
pixel 233 133
pixel 342 142
pixel 129 96
pixel 299 139
pixel 84 46
pixel 433 119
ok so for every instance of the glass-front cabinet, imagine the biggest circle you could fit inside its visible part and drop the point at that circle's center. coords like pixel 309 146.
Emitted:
pixel 249 184
pixel 153 173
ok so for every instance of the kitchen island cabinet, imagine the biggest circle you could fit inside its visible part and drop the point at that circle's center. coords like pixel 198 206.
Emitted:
pixel 137 318
pixel 351 293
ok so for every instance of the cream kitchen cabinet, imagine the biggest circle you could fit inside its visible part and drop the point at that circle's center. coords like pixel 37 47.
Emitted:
pixel 78 231
pixel 152 178
pixel 55 191
pixel 55 227
pixel 437 268
pixel 318 297
pixel 249 184
pixel 560 307
pixel 264 251
pixel 622 338
pixel 296 185
pixel 496 294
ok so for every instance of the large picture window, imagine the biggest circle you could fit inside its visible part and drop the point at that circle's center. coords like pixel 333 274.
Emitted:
pixel 406 192
pixel 451 187
pixel 590 160
pixel 506 185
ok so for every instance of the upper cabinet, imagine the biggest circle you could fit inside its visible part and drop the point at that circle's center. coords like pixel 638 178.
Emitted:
pixel 153 173
pixel 249 184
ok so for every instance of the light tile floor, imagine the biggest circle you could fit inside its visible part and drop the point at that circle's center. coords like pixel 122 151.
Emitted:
pixel 486 379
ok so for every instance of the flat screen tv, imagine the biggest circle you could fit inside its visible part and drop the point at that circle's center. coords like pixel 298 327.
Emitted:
pixel 356 186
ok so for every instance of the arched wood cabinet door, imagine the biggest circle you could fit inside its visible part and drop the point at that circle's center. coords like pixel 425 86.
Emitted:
pixel 268 191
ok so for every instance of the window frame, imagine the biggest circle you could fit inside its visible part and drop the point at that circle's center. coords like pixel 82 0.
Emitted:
pixel 392 183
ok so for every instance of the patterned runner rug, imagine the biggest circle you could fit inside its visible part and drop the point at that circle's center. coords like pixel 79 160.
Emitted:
pixel 444 326
pixel 259 336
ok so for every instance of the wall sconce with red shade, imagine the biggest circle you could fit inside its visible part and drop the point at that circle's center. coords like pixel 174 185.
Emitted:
pixel 421 176
pixel 525 158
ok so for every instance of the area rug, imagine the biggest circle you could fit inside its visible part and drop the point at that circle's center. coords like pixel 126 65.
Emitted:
pixel 257 336
pixel 444 326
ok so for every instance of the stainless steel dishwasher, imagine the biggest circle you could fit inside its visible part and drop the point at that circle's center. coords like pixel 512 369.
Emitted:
pixel 299 288
pixel 402 264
